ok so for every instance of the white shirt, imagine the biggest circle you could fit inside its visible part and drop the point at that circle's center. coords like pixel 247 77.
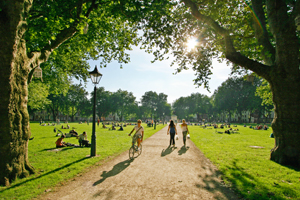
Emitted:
pixel 184 128
pixel 83 137
pixel 140 131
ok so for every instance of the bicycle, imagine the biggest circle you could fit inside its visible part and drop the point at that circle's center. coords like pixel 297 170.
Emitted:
pixel 134 149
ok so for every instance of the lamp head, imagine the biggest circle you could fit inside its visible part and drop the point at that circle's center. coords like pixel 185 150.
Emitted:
pixel 95 75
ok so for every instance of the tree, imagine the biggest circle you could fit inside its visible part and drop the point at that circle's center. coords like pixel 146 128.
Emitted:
pixel 123 102
pixel 37 96
pixel 104 102
pixel 180 108
pixel 73 99
pixel 30 32
pixel 254 35
pixel 149 102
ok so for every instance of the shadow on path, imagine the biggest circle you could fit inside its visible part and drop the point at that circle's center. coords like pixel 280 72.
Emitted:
pixel 167 151
pixel 183 150
pixel 115 170
pixel 46 174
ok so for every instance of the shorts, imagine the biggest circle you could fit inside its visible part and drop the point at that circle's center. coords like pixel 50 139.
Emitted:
pixel 135 137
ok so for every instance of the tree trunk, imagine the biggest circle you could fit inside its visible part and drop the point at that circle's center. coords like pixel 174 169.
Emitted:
pixel 14 129
pixel 286 121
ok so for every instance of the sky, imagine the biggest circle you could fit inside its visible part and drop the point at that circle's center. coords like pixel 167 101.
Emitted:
pixel 140 76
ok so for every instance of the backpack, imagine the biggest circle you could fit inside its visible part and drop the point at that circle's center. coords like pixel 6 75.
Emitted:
pixel 172 129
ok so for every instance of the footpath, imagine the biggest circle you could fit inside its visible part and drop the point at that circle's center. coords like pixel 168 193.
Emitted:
pixel 159 173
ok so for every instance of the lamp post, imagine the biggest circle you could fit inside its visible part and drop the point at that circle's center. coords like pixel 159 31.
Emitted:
pixel 96 77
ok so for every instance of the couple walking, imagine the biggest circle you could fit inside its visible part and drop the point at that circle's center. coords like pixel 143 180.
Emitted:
pixel 172 130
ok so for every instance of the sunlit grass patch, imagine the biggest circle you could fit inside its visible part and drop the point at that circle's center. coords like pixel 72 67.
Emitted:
pixel 56 167
pixel 244 160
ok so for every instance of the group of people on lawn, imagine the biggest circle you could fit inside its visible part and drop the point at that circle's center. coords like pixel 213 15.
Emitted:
pixel 82 139
pixel 138 135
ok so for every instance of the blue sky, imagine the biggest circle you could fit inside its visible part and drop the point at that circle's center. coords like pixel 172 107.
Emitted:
pixel 140 76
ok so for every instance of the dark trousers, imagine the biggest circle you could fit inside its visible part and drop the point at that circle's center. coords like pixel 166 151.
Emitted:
pixel 172 138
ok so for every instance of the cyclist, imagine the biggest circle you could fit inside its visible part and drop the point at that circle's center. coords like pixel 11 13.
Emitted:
pixel 139 133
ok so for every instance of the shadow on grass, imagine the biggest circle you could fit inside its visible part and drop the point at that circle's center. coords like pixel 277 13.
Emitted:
pixel 297 169
pixel 118 168
pixel 61 149
pixel 50 172
pixel 183 150
pixel 167 151
pixel 251 187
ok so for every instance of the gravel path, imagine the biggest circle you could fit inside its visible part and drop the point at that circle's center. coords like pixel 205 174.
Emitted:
pixel 158 173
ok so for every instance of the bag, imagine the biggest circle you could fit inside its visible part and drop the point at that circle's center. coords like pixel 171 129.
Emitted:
pixel 188 136
pixel 176 137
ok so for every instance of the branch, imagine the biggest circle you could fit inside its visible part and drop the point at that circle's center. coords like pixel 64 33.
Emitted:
pixel 79 8
pixel 42 56
pixel 259 24
pixel 230 52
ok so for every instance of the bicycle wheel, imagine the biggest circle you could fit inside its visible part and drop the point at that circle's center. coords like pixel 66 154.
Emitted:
pixel 131 153
pixel 140 151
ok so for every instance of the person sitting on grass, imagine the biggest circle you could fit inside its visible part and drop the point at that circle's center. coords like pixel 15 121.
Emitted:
pixel 121 128
pixel 82 139
pixel 103 125
pixel 59 142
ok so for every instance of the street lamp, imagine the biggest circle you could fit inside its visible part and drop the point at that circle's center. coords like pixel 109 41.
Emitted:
pixel 96 77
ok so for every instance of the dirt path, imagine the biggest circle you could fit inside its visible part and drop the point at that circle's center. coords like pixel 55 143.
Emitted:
pixel 158 173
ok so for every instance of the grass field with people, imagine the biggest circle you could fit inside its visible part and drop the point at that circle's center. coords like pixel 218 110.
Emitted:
pixel 55 166
pixel 244 160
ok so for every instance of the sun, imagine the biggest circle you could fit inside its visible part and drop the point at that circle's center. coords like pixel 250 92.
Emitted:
pixel 191 43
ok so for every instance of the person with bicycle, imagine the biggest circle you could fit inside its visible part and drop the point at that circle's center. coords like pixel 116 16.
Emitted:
pixel 139 133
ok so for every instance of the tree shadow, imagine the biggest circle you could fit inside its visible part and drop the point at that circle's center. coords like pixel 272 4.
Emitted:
pixel 48 173
pixel 252 188
pixel 167 151
pixel 183 150
pixel 60 149
pixel 118 168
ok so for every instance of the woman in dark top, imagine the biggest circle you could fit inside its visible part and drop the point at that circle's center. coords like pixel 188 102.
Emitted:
pixel 172 130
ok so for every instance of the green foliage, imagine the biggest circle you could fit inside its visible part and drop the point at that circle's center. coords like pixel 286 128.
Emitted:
pixel 237 95
pixel 264 92
pixel 195 104
pixel 75 97
pixel 54 168
pixel 37 96
pixel 123 103
pixel 156 104
pixel 249 171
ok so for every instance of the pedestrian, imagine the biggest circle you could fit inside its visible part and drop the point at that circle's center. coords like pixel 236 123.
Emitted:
pixel 98 122
pixel 172 130
pixel 185 131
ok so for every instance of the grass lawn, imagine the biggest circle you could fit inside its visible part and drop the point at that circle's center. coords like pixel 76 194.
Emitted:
pixel 55 167
pixel 248 170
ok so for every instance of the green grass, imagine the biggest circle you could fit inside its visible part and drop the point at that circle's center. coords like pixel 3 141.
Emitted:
pixel 54 168
pixel 249 171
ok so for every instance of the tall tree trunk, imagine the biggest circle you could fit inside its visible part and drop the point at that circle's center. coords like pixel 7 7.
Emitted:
pixel 286 121
pixel 15 67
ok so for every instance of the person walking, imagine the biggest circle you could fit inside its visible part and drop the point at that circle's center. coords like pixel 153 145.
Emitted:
pixel 172 130
pixel 185 131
